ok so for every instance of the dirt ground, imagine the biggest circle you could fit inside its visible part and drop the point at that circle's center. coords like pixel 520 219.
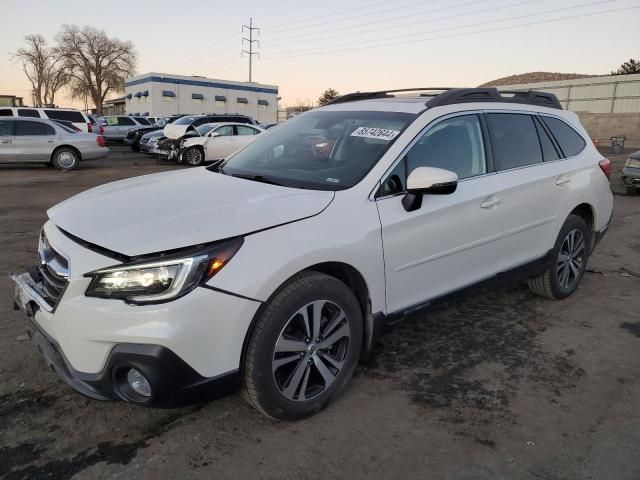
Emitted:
pixel 503 385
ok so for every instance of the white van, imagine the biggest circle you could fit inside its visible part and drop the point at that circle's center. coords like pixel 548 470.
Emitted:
pixel 78 118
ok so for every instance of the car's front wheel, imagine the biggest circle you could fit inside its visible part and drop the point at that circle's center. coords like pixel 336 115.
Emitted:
pixel 569 261
pixel 193 156
pixel 304 347
pixel 65 159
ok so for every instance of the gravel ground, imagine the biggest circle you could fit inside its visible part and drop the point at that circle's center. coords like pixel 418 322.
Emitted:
pixel 502 385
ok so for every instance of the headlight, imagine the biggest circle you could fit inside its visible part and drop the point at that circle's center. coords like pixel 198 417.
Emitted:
pixel 632 162
pixel 164 278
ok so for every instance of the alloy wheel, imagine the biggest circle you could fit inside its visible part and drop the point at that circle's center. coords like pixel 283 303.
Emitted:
pixel 571 259
pixel 311 350
pixel 193 156
pixel 66 159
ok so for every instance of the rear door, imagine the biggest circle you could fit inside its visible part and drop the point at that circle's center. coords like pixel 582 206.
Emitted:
pixel 124 125
pixel 7 138
pixel 34 141
pixel 245 135
pixel 534 184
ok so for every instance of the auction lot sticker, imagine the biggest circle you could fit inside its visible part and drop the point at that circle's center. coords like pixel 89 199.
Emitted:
pixel 371 132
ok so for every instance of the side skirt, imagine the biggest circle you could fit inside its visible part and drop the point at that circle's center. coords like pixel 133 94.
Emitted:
pixel 383 323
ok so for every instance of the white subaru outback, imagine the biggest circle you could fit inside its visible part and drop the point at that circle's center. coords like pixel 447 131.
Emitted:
pixel 278 267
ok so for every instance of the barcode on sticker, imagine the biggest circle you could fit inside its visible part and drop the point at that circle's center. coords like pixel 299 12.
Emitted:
pixel 371 132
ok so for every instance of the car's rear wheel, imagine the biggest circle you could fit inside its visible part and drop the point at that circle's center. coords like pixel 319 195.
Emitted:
pixel 632 190
pixel 304 347
pixel 65 159
pixel 135 147
pixel 569 261
pixel 193 156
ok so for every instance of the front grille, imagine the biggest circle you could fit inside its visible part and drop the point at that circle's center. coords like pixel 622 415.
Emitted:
pixel 52 272
pixel 145 140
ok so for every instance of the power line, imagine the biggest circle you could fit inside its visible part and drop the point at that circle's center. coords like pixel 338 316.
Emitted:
pixel 462 34
pixel 419 22
pixel 413 35
pixel 423 2
pixel 250 41
pixel 301 20
pixel 208 54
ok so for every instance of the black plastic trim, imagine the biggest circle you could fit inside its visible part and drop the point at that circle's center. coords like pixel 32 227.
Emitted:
pixel 96 248
pixel 220 290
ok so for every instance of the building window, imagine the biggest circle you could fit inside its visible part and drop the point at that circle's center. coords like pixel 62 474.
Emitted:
pixel 168 96
pixel 197 98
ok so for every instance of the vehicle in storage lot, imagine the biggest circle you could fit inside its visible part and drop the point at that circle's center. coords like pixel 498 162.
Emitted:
pixel 79 119
pixel 297 254
pixel 631 174
pixel 115 127
pixel 31 140
pixel 216 142
pixel 134 135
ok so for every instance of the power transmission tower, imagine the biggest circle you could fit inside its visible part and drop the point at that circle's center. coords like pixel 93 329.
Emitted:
pixel 251 52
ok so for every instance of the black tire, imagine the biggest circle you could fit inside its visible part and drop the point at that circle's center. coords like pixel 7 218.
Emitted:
pixel 260 387
pixel 65 159
pixel 193 156
pixel 135 147
pixel 552 284
pixel 632 191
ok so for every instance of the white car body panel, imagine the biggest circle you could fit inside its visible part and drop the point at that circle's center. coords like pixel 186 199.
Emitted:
pixel 405 258
pixel 174 131
pixel 153 210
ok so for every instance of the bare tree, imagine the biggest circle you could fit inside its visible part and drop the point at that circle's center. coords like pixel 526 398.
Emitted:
pixel 43 67
pixel 96 63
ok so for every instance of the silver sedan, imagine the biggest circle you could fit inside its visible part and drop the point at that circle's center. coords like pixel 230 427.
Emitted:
pixel 31 140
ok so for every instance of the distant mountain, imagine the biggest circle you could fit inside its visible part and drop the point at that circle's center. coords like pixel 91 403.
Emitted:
pixel 534 77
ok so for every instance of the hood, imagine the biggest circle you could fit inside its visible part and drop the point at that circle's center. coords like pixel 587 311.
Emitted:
pixel 635 156
pixel 153 134
pixel 164 211
pixel 174 131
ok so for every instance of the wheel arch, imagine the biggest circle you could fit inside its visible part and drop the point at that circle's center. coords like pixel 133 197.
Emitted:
pixel 588 214
pixel 353 279
pixel 70 147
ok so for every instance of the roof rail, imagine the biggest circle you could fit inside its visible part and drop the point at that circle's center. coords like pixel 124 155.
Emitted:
pixel 352 97
pixel 450 96
pixel 470 95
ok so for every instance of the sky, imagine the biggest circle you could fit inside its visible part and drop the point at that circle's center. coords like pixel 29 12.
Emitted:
pixel 307 47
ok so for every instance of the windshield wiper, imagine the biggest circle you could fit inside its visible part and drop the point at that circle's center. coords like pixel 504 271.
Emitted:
pixel 257 178
pixel 216 167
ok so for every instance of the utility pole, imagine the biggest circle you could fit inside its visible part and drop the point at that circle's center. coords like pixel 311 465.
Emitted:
pixel 251 52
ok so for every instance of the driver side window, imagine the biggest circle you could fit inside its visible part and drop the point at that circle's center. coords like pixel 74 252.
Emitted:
pixel 454 144
pixel 226 131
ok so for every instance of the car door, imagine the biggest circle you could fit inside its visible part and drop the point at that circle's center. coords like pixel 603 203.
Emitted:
pixel 533 189
pixel 7 138
pixel 245 135
pixel 34 140
pixel 221 144
pixel 124 125
pixel 452 240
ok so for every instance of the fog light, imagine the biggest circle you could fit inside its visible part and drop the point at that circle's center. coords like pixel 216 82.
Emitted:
pixel 138 383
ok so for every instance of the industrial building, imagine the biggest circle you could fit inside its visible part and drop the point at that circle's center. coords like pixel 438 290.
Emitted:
pixel 607 105
pixel 159 94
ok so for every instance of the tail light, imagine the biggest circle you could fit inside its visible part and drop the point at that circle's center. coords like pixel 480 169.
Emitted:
pixel 89 127
pixel 100 130
pixel 100 140
pixel 605 165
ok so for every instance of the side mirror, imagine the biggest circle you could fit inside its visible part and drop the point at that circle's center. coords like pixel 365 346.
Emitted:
pixel 430 181
pixel 214 134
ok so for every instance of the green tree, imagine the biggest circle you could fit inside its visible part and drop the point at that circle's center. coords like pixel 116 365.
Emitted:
pixel 328 95
pixel 632 66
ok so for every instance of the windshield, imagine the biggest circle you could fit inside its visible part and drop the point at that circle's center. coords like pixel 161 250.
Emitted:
pixel 204 129
pixel 324 150
pixel 184 120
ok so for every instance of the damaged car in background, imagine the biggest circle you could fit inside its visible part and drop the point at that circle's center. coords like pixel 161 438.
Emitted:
pixel 186 127
pixel 216 141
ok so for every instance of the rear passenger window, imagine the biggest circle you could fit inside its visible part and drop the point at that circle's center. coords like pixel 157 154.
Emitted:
pixel 514 140
pixel 549 151
pixel 68 115
pixel 570 141
pixel 125 121
pixel 142 121
pixel 6 128
pixel 5 112
pixel 28 112
pixel 25 127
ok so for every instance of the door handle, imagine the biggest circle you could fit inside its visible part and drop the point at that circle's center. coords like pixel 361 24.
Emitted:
pixel 50 141
pixel 491 202
pixel 562 180
pixel 5 141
